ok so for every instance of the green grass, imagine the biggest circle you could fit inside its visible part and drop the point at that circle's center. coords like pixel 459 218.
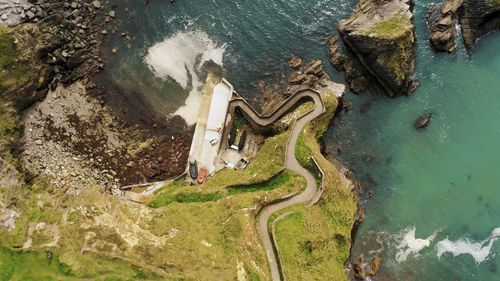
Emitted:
pixel 303 154
pixel 393 27
pixel 15 71
pixel 30 265
pixel 221 214
pixel 35 265
pixel 314 242
pixel 9 133
pixel 268 162
pixel 310 247
pixel 397 60
pixel 167 198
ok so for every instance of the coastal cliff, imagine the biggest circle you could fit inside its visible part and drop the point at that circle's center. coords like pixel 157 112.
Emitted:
pixel 444 29
pixel 382 35
pixel 477 18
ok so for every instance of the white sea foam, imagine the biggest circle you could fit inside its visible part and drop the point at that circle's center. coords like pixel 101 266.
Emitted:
pixel 412 245
pixel 178 57
pixel 480 251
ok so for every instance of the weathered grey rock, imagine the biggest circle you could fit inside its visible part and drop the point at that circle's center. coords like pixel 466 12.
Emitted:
pixel 337 59
pixel 96 4
pixel 382 34
pixel 353 76
pixel 30 14
pixel 477 18
pixel 297 78
pixel 314 67
pixel 443 29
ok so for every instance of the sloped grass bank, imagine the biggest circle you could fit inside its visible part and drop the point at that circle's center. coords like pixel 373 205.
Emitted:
pixel 15 71
pixel 314 242
pixel 282 179
pixel 35 265
pixel 268 162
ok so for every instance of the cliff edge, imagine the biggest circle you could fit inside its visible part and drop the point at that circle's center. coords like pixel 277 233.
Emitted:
pixel 477 18
pixel 382 34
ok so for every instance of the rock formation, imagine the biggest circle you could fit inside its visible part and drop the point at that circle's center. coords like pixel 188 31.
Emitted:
pixel 477 18
pixel 359 270
pixel 444 28
pixel 354 76
pixel 423 121
pixel 381 33
pixel 375 266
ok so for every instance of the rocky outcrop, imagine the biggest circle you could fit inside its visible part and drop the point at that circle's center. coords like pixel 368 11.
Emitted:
pixel 381 33
pixel 423 121
pixel 62 46
pixel 359 270
pixel 477 18
pixel 354 75
pixel 307 75
pixel 443 28
pixel 375 266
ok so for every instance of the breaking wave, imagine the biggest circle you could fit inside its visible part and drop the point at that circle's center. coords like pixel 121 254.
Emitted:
pixel 480 251
pixel 412 245
pixel 180 57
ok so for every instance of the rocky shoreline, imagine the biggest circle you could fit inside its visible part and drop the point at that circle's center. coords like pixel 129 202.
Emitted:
pixel 72 135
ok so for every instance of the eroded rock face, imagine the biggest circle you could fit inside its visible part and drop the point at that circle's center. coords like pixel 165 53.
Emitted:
pixel 381 33
pixel 354 75
pixel 444 29
pixel 359 270
pixel 478 17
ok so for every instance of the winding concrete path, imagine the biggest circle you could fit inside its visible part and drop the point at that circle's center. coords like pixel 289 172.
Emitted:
pixel 259 122
pixel 264 123
pixel 293 165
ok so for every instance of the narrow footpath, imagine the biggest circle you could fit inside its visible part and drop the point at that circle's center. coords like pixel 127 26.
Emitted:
pixel 293 165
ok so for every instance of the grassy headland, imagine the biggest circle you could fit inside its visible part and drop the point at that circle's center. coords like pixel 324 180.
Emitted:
pixel 314 242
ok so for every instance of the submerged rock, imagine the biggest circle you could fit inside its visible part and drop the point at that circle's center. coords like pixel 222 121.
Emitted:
pixel 423 121
pixel 382 35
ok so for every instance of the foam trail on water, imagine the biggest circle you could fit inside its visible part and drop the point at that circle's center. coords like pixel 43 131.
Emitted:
pixel 412 245
pixel 478 250
pixel 178 57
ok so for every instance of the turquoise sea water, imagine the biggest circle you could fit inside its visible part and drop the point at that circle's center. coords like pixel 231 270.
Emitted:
pixel 441 183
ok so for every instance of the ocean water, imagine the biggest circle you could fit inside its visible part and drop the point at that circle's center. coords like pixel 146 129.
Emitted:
pixel 433 212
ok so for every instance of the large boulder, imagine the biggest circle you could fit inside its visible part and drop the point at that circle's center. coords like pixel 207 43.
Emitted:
pixel 443 29
pixel 382 34
pixel 478 17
